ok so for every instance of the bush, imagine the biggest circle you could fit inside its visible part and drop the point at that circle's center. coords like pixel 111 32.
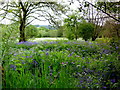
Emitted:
pixel 70 36
pixel 60 32
pixel 52 33
pixel 86 30
pixel 31 31
pixel 9 35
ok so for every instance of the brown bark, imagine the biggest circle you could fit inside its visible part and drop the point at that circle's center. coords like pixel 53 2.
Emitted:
pixel 22 32
pixel 94 38
pixel 23 14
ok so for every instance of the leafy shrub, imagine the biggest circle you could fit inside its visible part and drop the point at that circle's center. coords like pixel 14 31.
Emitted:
pixel 70 36
pixel 52 33
pixel 9 35
pixel 31 31
pixel 60 32
pixel 86 30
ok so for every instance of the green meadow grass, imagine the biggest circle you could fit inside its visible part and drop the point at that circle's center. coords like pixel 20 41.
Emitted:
pixel 62 64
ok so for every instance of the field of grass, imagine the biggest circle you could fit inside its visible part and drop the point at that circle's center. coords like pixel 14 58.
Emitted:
pixel 61 64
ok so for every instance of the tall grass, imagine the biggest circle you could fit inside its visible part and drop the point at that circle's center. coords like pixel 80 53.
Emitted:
pixel 62 64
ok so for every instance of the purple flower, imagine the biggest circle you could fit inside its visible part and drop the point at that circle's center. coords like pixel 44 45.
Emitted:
pixel 47 53
pixel 21 42
pixel 113 80
pixel 104 87
pixel 62 63
pixel 27 43
pixel 77 56
pixel 106 51
pixel 15 54
pixel 91 46
pixel 13 67
pixel 68 49
pixel 90 43
pixel 23 62
pixel 52 42
pixel 35 62
pixel 28 56
pixel 83 57
pixel 81 81
pixel 45 42
pixel 66 62
pixel 71 54
pixel 50 74
pixel 47 50
pixel 49 66
pixel 72 63
pixel 117 47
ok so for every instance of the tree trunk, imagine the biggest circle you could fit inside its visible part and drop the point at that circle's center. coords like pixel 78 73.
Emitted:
pixel 22 25
pixel 76 37
pixel 117 30
pixel 94 38
pixel 22 32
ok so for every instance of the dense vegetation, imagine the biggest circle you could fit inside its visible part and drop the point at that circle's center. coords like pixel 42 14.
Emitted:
pixel 88 58
pixel 62 64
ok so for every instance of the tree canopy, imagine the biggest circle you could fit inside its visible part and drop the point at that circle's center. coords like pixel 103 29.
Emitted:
pixel 26 12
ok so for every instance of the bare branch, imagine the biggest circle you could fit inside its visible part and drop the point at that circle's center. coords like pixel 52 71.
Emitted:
pixel 29 22
pixel 103 11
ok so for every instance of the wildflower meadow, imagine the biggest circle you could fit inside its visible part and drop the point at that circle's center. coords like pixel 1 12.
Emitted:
pixel 61 64
pixel 60 44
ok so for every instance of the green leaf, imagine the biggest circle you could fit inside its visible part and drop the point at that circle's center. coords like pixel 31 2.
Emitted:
pixel 10 11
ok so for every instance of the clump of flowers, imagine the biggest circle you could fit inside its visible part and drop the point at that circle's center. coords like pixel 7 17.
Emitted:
pixel 13 67
pixel 27 43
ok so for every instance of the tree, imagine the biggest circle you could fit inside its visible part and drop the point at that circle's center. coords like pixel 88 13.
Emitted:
pixel 60 31
pixel 26 12
pixel 107 7
pixel 72 26
pixel 86 30
pixel 43 28
pixel 111 29
pixel 98 12
pixel 113 8
pixel 31 31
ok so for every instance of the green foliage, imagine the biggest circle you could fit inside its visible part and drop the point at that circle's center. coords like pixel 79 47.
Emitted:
pixel 31 31
pixel 86 30
pixel 21 12
pixel 9 35
pixel 60 32
pixel 111 29
pixel 70 36
pixel 109 6
pixel 53 33
pixel 71 24
pixel 62 64
pixel 43 28
pixel 44 32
